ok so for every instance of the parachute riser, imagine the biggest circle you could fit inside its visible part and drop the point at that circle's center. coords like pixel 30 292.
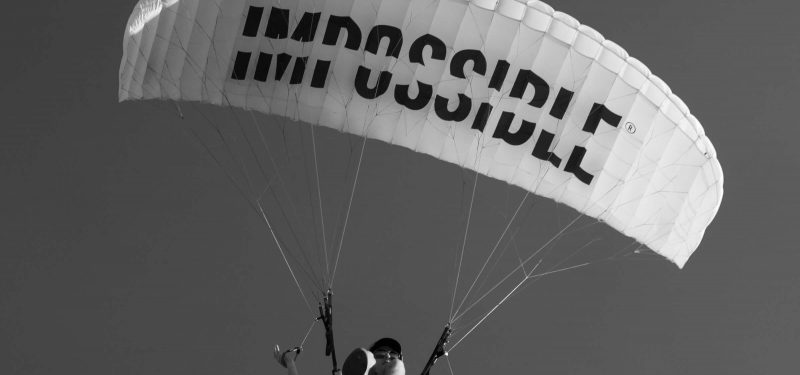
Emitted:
pixel 326 315
pixel 438 351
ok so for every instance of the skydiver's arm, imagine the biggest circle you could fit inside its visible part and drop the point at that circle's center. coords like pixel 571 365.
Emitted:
pixel 286 360
pixel 291 366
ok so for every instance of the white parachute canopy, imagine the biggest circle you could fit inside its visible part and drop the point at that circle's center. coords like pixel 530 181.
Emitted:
pixel 511 90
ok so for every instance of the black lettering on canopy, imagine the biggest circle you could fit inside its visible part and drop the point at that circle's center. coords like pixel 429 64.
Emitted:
pixel 438 49
pixel 307 27
pixel 600 112
pixel 278 24
pixel 515 139
pixel 459 61
pixel 524 79
pixel 563 99
pixel 482 117
pixel 334 28
pixel 253 21
pixel 262 66
pixel 362 83
pixel 384 77
pixel 299 70
pixel 385 31
pixel 542 148
pixel 422 99
pixel 265 61
pixel 499 75
pixel 574 165
pixel 461 112
pixel 283 63
pixel 240 65
pixel 320 74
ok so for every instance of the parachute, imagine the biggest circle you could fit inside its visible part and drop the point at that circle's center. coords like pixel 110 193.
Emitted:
pixel 511 90
pixel 554 108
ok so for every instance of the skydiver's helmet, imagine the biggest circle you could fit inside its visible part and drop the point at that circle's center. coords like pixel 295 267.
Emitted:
pixel 384 357
pixel 387 346
pixel 388 356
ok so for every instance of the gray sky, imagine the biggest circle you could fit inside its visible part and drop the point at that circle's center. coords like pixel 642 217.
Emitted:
pixel 125 250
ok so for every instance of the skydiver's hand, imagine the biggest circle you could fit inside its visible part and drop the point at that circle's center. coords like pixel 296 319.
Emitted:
pixel 282 357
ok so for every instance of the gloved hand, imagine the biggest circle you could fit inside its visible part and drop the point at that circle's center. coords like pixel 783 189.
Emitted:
pixel 283 358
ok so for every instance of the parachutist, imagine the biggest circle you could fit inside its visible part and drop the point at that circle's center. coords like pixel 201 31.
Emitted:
pixel 384 357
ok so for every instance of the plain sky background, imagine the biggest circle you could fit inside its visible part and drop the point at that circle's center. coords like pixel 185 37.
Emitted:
pixel 124 250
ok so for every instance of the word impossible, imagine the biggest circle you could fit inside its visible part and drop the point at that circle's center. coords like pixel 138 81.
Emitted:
pixel 306 29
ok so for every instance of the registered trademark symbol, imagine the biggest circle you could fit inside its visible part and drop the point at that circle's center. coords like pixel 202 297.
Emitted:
pixel 630 127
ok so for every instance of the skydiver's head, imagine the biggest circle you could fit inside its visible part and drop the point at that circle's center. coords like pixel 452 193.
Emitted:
pixel 387 347
pixel 388 357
